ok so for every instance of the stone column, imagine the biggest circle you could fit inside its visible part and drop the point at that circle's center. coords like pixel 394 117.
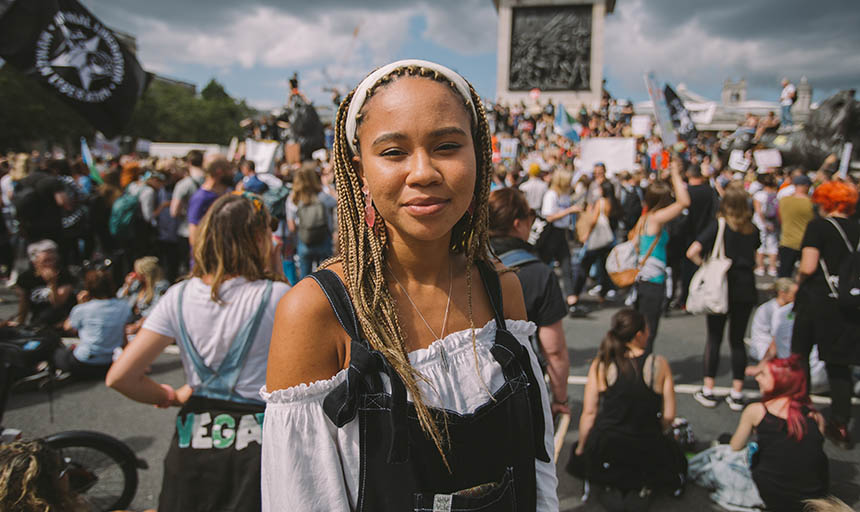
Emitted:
pixel 553 44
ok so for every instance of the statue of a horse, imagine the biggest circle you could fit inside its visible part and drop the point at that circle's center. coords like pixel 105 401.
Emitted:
pixel 835 122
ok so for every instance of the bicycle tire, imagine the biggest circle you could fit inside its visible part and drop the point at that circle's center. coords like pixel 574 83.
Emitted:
pixel 72 443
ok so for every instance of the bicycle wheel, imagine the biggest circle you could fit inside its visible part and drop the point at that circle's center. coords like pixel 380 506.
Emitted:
pixel 102 470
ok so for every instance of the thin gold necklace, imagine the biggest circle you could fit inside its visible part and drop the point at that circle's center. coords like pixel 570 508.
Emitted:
pixel 447 308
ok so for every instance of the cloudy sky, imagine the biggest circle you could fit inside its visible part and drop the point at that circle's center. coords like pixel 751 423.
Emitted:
pixel 253 46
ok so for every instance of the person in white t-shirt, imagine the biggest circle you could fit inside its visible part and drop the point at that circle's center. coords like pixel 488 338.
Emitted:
pixel 786 100
pixel 534 188
pixel 221 318
pixel 770 334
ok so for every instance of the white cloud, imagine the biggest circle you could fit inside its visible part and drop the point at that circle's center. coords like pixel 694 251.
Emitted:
pixel 273 38
pixel 702 58
pixel 466 27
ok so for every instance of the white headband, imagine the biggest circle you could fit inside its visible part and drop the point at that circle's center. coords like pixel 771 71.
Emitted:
pixel 360 95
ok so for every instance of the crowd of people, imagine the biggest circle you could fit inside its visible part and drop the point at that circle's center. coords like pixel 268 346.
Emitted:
pixel 438 282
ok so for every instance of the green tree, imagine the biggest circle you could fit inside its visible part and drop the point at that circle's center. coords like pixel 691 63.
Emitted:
pixel 30 115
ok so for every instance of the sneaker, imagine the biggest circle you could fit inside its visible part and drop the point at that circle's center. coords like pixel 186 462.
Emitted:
pixel 772 272
pixel 611 294
pixel 706 399
pixel 594 292
pixel 839 435
pixel 578 311
pixel 736 404
pixel 759 272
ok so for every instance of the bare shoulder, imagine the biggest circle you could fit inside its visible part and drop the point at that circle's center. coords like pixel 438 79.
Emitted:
pixel 512 294
pixel 308 344
pixel 754 413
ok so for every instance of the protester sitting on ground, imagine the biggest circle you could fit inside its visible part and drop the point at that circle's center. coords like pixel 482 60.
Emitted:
pixel 510 224
pixel 311 216
pixel 629 401
pixel 99 320
pixel 221 319
pixel 45 291
pixel 787 465
pixel 740 241
pixel 660 209
pixel 142 290
pixel 819 319
pixel 32 479
pixel 770 334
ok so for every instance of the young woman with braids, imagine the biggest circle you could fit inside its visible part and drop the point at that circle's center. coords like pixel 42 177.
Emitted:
pixel 629 402
pixel 400 377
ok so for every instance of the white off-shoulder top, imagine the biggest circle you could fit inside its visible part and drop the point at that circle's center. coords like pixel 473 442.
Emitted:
pixel 309 464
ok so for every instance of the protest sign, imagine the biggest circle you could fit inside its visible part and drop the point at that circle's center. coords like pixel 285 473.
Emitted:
pixel 846 159
pixel 640 125
pixel 616 153
pixel 508 148
pixel 767 158
pixel 262 153
pixel 737 161
pixel 661 111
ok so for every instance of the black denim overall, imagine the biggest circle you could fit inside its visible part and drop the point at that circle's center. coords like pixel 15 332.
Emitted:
pixel 492 451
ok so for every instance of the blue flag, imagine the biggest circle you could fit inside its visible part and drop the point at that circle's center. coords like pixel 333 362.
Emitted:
pixel 565 125
pixel 87 157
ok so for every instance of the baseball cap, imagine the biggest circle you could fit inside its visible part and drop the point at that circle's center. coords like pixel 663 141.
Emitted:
pixel 801 180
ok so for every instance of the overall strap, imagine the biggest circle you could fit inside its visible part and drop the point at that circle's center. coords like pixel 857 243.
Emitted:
pixel 229 369
pixel 200 367
pixel 365 365
pixel 221 383
pixel 338 297
pixel 494 291
pixel 514 357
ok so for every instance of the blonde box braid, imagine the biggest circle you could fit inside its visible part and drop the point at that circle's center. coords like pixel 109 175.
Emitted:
pixel 362 249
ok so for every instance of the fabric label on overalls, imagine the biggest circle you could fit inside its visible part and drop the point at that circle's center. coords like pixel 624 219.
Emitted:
pixel 201 432
pixel 442 503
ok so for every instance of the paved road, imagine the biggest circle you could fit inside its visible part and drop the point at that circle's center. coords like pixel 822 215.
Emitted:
pixel 148 430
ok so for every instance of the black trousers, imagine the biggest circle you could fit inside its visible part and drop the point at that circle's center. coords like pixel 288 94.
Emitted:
pixel 787 258
pixel 65 360
pixel 649 301
pixel 738 318
pixel 591 257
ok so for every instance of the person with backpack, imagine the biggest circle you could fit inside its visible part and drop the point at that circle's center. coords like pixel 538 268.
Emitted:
pixel 766 219
pixel 510 224
pixel 39 200
pixel 311 216
pixel 221 318
pixel 826 313
pixel 182 192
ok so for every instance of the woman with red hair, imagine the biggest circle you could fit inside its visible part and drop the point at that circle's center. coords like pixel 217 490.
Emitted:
pixel 819 320
pixel 790 465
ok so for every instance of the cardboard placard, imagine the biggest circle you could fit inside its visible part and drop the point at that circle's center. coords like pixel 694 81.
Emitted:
pixel 640 125
pixel 738 162
pixel 767 158
pixel 616 153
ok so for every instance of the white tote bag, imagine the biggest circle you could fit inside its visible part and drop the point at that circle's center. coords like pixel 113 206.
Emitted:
pixel 601 234
pixel 709 289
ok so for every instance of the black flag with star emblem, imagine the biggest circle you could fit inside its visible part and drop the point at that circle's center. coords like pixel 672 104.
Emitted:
pixel 71 53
